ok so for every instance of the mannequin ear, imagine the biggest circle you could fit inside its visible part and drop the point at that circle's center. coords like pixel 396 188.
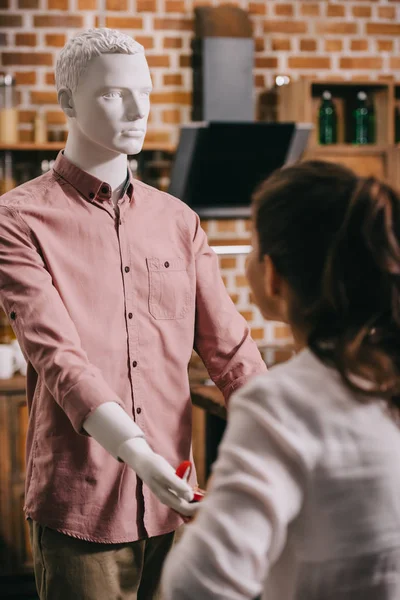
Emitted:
pixel 66 102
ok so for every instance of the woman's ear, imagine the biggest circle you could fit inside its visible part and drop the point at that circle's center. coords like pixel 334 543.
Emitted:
pixel 272 279
pixel 66 102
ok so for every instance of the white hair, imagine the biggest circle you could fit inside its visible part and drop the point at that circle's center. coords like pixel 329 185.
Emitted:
pixel 79 51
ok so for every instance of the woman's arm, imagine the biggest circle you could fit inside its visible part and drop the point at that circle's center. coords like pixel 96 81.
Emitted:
pixel 241 526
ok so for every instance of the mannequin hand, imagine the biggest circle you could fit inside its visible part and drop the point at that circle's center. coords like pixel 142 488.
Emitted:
pixel 158 475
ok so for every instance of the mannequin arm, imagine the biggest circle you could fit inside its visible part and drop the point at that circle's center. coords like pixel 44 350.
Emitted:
pixel 112 427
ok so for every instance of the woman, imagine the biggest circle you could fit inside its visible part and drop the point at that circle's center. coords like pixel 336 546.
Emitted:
pixel 305 498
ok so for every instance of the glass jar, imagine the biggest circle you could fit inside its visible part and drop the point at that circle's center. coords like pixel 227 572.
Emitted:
pixel 8 110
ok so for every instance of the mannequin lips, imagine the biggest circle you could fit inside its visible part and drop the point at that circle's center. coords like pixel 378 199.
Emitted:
pixel 133 133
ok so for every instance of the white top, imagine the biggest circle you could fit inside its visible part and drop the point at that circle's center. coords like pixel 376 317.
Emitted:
pixel 305 500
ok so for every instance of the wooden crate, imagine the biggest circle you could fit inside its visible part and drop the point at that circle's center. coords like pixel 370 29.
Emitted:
pixel 299 101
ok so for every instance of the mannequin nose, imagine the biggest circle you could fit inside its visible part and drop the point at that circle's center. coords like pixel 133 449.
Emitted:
pixel 134 110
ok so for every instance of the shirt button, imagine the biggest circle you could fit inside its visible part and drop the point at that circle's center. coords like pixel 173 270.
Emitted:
pixel 104 190
pixel 138 410
pixel 166 265
pixel 134 364
pixel 13 315
pixel 91 195
pixel 130 315
pixel 127 269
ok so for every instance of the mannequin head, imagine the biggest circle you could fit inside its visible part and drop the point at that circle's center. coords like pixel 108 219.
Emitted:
pixel 104 84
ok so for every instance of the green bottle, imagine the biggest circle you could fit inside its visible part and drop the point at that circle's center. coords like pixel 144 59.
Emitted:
pixel 364 120
pixel 327 120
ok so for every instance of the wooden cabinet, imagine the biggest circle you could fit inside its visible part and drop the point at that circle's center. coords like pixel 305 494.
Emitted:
pixel 15 552
pixel 366 161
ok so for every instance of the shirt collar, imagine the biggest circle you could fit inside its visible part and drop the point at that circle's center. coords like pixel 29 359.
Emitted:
pixel 89 186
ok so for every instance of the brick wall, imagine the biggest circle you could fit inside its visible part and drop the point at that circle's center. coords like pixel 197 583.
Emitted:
pixel 345 38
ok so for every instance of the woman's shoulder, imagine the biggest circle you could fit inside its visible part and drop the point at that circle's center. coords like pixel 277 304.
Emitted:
pixel 301 394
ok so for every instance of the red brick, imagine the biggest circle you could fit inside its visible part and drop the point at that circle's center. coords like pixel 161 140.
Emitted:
pixel 185 61
pixel 361 11
pixel 124 22
pixel 359 45
pixel 383 28
pixel 56 117
pixel 285 26
pixel 259 44
pixel 26 116
pixel 87 4
pixel 158 60
pixel 117 5
pixel 257 333
pixel 27 58
pixel 49 78
pixel 26 135
pixel 364 62
pixel 259 80
pixel 307 45
pixel 335 27
pixel 257 9
pixel 175 6
pixel 25 39
pixel 10 20
pixel 60 21
pixel 25 77
pixel 172 79
pixel 184 98
pixel 57 4
pixel 147 41
pixel 387 12
pixel 173 42
pixel 173 24
pixel 154 136
pixel 333 45
pixel 335 10
pixel 172 116
pixel 285 10
pixel 29 4
pixel 146 6
pixel 229 262
pixel 43 97
pixel 265 62
pixel 309 62
pixel 278 44
pixel 384 45
pixel 55 40
pixel 310 9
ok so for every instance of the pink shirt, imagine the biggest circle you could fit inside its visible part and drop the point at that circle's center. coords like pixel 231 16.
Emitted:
pixel 108 307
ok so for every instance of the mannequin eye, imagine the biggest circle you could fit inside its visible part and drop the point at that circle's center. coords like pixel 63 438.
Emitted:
pixel 112 95
pixel 145 94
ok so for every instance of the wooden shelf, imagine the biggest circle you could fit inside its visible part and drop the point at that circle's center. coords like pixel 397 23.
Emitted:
pixel 299 101
pixel 354 149
pixel 57 146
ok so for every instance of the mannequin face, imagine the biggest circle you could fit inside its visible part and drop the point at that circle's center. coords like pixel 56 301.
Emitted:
pixel 111 104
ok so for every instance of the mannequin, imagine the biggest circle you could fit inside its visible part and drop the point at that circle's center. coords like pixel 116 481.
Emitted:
pixel 115 91
pixel 109 284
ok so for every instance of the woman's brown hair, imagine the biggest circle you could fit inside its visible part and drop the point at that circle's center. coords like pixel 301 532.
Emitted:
pixel 335 238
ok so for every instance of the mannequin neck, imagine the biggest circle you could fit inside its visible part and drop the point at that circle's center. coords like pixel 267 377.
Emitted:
pixel 106 165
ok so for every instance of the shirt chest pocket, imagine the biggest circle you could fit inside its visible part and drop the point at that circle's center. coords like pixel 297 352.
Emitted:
pixel 169 288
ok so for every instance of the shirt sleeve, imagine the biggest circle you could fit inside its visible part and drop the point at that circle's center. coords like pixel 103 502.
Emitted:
pixel 44 329
pixel 222 336
pixel 256 491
